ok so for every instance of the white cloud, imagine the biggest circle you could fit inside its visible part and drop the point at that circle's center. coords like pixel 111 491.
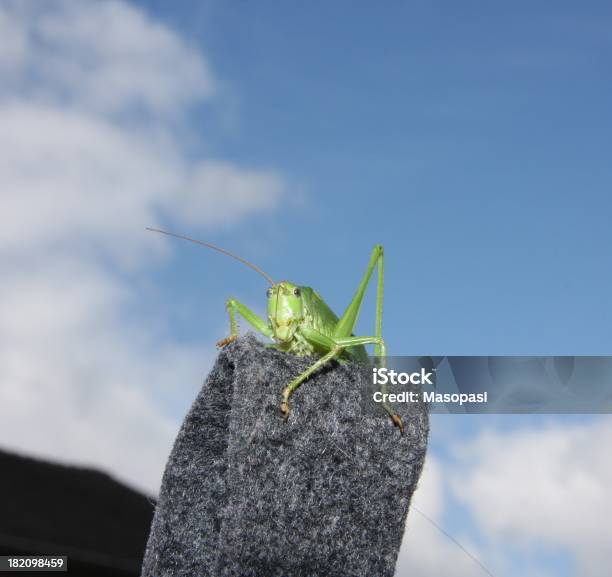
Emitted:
pixel 425 550
pixel 93 98
pixel 74 177
pixel 243 193
pixel 105 57
pixel 545 487
pixel 531 496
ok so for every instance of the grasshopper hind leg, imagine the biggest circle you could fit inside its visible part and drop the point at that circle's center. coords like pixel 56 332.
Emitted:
pixel 397 420
pixel 360 355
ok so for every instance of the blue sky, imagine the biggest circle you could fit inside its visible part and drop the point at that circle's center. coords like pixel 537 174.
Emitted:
pixel 471 140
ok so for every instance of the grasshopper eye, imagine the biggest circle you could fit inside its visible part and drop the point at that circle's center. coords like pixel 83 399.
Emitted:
pixel 296 292
pixel 269 293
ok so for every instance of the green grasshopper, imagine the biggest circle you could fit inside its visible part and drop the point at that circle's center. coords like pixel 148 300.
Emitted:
pixel 302 324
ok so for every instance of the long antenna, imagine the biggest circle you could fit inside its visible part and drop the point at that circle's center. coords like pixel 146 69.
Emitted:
pixel 472 557
pixel 218 249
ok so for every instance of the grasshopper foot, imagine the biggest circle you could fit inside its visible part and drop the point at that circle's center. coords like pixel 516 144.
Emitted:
pixel 397 421
pixel 224 342
pixel 284 406
pixel 284 409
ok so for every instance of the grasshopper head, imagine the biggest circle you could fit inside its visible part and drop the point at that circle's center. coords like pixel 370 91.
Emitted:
pixel 285 309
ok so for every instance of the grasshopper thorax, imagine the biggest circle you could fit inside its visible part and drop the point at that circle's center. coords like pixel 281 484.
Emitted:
pixel 285 310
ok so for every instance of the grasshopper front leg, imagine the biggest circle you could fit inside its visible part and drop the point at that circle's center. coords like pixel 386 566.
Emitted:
pixel 295 383
pixel 336 346
pixel 235 307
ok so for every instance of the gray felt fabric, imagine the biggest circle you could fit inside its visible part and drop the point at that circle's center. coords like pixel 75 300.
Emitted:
pixel 244 493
